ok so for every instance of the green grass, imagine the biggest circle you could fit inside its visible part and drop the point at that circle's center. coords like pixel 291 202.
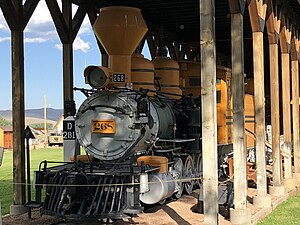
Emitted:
pixel 6 172
pixel 285 214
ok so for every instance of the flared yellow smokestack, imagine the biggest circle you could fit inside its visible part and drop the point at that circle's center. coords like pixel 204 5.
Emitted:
pixel 120 29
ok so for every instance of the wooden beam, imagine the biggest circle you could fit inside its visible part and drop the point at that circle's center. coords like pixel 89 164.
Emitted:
pixel 104 56
pixel 273 28
pixel 78 19
pixel 151 44
pixel 183 51
pixel 29 7
pixel 209 111
pixel 194 52
pixel 285 60
pixel 294 46
pixel 257 11
pixel 171 50
pixel 240 155
pixel 285 39
pixel 18 108
pixel 284 35
pixel 259 94
pixel 62 27
pixel 66 18
pixel 176 49
pixel 295 102
pixel 272 23
pixel 237 6
pixel 155 30
pixel 10 14
pixel 275 114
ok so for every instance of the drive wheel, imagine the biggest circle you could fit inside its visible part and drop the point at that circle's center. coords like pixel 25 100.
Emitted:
pixel 188 173
pixel 198 169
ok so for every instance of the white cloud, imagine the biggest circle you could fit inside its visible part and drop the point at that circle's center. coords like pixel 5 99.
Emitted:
pixel 58 46
pixel 40 27
pixel 4 39
pixel 34 40
pixel 78 45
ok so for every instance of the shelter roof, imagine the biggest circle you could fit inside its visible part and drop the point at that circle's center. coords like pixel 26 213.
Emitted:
pixel 180 21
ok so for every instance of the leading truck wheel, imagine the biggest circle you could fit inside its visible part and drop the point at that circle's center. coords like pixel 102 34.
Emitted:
pixel 188 174
pixel 178 166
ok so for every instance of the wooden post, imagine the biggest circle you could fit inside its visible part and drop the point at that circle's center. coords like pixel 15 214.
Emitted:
pixel 273 27
pixel 258 63
pixel 18 109
pixel 209 111
pixel 285 59
pixel 240 214
pixel 295 101
pixel 69 104
pixel 237 58
pixel 285 39
pixel 257 12
pixel 275 116
pixel 17 19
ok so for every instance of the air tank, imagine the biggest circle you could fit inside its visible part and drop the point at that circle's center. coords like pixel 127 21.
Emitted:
pixel 142 73
pixel 167 71
pixel 120 29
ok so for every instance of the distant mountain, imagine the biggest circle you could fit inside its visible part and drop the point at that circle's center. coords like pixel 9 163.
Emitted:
pixel 52 114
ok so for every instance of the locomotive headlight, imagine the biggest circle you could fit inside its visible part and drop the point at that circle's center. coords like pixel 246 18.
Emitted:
pixel 96 76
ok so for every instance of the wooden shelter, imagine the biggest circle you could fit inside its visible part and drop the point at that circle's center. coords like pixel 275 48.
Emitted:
pixel 259 39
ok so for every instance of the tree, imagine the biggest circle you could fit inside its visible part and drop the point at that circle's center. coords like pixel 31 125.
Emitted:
pixel 41 125
pixel 4 122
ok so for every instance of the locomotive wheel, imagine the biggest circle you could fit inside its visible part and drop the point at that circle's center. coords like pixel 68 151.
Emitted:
pixel 198 168
pixel 178 194
pixel 179 167
pixel 188 172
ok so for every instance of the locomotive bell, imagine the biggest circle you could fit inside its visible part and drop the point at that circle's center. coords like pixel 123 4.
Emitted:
pixel 120 29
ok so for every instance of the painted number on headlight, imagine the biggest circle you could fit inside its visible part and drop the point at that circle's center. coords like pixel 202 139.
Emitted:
pixel 103 126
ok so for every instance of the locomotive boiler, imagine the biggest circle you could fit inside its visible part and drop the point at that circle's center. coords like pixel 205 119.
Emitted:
pixel 141 135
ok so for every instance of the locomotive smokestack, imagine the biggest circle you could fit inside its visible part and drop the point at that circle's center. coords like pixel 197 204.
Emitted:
pixel 120 30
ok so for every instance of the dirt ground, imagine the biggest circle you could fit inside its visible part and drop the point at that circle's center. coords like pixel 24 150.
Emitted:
pixel 182 211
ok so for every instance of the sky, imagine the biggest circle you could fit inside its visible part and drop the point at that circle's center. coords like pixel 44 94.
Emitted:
pixel 43 60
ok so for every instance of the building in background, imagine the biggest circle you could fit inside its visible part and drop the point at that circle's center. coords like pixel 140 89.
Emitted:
pixel 59 125
pixel 7 137
pixel 1 137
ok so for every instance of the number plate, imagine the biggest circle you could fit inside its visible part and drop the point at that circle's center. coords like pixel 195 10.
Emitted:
pixel 118 77
pixel 103 126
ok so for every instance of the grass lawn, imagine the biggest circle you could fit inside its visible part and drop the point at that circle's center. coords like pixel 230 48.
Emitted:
pixel 6 172
pixel 285 214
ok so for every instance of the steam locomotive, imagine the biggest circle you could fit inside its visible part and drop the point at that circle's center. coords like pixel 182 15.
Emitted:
pixel 141 134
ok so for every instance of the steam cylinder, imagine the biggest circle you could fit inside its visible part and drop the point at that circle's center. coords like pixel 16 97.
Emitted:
pixel 161 186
